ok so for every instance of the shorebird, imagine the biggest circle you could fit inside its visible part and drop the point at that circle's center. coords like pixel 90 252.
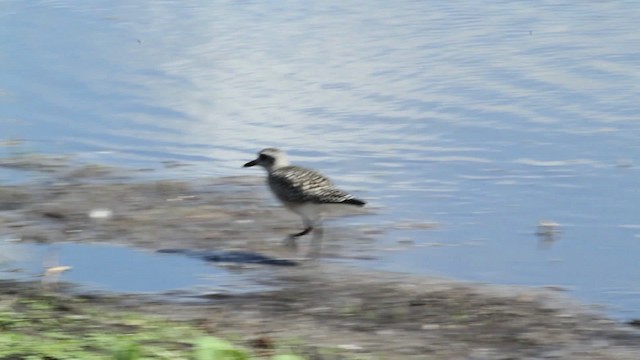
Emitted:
pixel 303 191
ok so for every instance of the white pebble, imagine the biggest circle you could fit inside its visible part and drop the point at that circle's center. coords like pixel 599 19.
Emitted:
pixel 100 213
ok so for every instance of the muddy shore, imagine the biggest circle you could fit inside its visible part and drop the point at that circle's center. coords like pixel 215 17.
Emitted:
pixel 357 313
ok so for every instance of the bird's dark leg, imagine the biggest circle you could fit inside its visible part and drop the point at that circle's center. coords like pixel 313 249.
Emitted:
pixel 303 232
pixel 290 241
pixel 308 226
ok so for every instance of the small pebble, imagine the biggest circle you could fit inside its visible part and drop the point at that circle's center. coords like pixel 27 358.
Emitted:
pixel 548 228
pixel 100 213
pixel 430 327
pixel 350 347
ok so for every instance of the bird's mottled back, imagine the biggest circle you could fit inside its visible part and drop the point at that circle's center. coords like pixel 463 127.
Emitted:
pixel 294 184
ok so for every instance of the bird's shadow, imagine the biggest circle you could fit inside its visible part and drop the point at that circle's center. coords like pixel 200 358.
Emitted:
pixel 238 257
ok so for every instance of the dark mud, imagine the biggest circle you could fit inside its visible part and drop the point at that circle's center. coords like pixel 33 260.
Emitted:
pixel 356 313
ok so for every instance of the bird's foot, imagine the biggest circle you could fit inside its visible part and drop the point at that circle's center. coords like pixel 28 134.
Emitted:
pixel 290 243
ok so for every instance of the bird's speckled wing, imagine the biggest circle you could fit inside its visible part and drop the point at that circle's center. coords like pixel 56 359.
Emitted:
pixel 294 184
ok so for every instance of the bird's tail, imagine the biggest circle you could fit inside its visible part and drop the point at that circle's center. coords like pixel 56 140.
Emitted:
pixel 354 201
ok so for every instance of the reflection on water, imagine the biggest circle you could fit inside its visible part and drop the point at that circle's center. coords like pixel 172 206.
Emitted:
pixel 486 118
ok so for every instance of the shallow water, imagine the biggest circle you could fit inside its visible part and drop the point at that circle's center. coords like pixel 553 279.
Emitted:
pixel 483 118
pixel 121 269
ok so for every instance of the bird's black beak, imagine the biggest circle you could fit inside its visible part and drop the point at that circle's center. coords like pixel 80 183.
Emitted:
pixel 250 164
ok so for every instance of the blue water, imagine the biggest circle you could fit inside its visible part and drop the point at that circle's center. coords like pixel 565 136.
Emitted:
pixel 118 268
pixel 483 117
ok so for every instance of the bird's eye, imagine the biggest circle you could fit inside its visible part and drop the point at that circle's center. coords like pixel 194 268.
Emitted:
pixel 263 157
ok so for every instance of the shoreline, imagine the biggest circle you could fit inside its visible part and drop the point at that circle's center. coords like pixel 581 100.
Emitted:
pixel 352 312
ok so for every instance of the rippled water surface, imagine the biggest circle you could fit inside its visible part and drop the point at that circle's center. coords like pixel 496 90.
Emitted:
pixel 485 118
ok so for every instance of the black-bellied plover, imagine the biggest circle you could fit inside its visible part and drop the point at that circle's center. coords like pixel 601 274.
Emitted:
pixel 306 192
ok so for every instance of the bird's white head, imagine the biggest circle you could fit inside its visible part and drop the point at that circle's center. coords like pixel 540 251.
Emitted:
pixel 270 159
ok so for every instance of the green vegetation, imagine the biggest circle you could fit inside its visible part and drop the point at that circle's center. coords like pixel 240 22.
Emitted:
pixel 211 348
pixel 43 327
